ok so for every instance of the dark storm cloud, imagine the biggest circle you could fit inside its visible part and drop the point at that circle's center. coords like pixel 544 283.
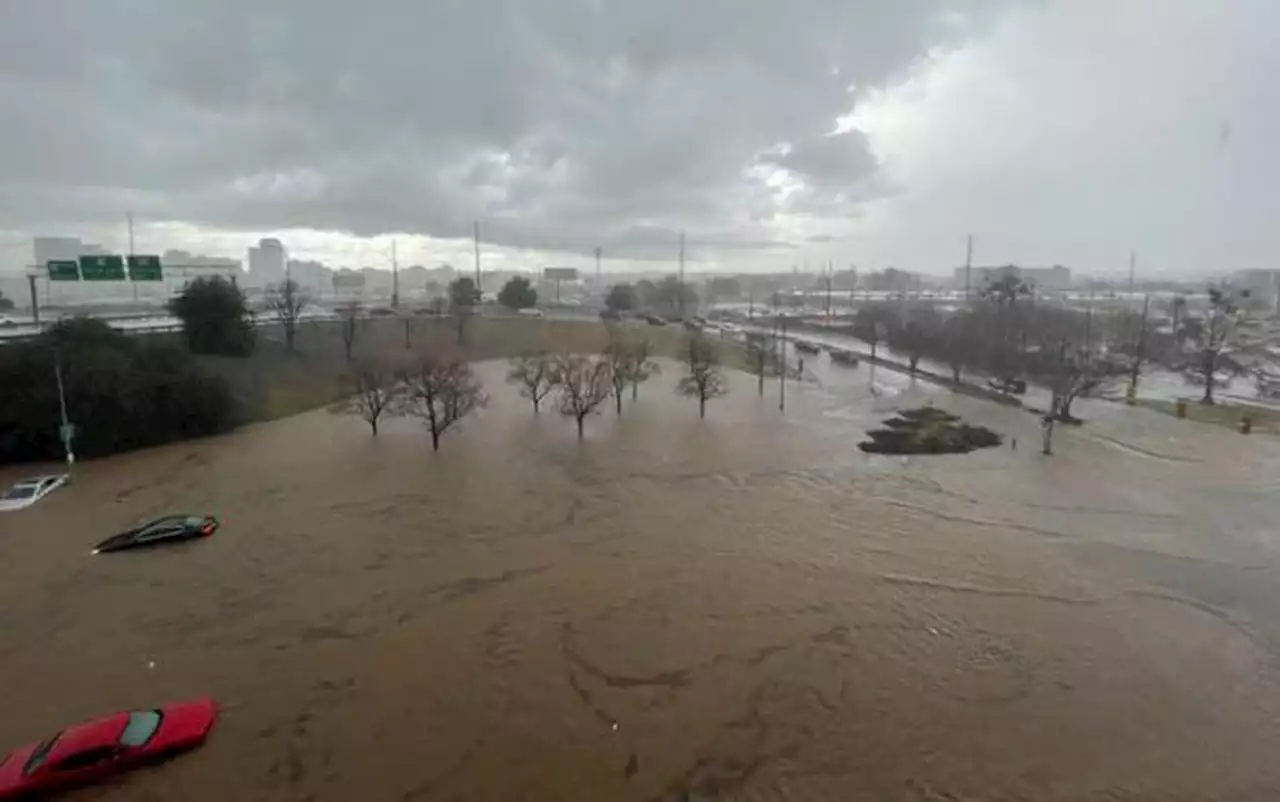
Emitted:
pixel 561 124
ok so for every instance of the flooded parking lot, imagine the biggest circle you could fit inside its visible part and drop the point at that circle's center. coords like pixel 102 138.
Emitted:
pixel 744 607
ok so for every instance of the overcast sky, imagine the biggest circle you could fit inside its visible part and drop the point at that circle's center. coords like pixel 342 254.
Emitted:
pixel 867 132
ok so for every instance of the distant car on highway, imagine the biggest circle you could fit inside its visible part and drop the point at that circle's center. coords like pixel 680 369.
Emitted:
pixel 654 320
pixel 169 529
pixel 96 750
pixel 26 492
pixel 531 313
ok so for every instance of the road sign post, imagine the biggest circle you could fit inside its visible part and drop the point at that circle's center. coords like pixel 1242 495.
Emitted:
pixel 109 267
pixel 144 268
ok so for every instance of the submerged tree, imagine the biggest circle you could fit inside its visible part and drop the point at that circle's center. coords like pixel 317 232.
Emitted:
pixel 584 382
pixel 629 364
pixel 372 388
pixel 704 378
pixel 535 373
pixel 643 367
pixel 441 389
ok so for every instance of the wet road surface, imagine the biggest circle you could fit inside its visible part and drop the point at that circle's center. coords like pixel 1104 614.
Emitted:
pixel 744 608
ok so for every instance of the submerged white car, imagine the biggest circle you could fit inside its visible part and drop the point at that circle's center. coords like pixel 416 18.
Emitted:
pixel 28 491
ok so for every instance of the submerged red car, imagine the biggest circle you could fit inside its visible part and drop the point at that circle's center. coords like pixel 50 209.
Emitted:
pixel 95 750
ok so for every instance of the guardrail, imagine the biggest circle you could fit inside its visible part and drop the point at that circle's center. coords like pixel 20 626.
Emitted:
pixel 18 334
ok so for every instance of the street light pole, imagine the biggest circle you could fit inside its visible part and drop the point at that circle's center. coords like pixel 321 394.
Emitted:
pixel 66 431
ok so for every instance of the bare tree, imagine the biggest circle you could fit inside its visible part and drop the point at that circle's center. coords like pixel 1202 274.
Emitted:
pixel 535 373
pixel 704 377
pixel 643 366
pixel 618 354
pixel 958 343
pixel 584 382
pixel 629 364
pixel 1139 348
pixel 349 319
pixel 372 389
pixel 913 340
pixel 441 389
pixel 1075 377
pixel 286 301
pixel 1218 338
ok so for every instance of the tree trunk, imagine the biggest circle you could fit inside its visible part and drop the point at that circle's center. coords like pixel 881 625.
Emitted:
pixel 617 397
pixel 435 439
pixel 373 424
pixel 1208 367
pixel 702 407
pixel 580 417
pixel 1047 426
pixel 1064 410
pixel 535 404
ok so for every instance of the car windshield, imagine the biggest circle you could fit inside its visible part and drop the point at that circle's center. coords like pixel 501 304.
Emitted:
pixel 19 491
pixel 38 757
pixel 142 725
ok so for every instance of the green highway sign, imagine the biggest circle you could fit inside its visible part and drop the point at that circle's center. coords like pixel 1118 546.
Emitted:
pixel 102 268
pixel 144 268
pixel 63 269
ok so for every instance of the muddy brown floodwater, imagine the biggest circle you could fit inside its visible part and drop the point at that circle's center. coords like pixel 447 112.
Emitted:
pixel 742 608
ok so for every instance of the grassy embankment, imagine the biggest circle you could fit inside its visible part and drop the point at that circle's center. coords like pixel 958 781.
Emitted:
pixel 1265 419
pixel 274 383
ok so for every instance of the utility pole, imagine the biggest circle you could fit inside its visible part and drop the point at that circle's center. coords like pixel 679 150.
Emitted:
pixel 681 280
pixel 35 299
pixel 1133 260
pixel 968 266
pixel 395 278
pixel 475 235
pixel 597 265
pixel 1139 352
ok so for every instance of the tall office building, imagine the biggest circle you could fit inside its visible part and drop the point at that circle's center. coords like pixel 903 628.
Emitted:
pixel 266 262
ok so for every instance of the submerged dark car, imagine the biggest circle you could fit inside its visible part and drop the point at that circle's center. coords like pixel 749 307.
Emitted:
pixel 168 529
